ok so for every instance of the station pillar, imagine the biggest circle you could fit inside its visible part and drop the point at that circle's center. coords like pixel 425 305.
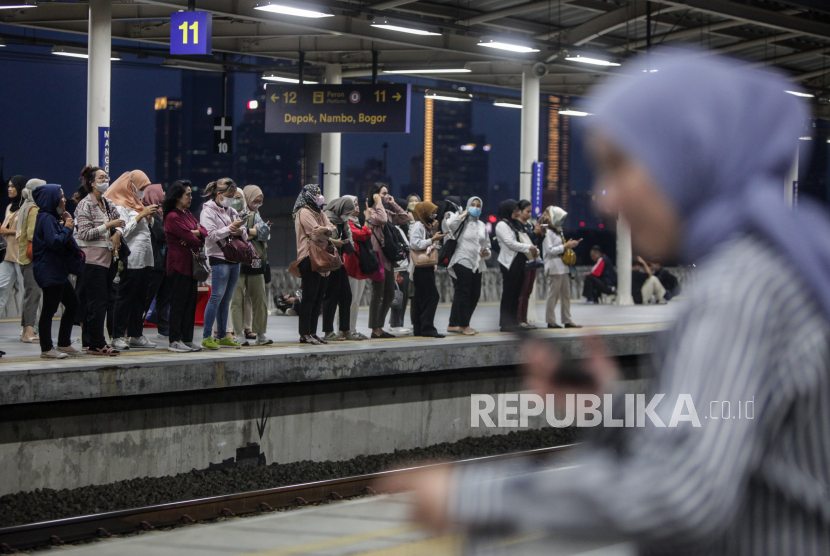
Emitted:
pixel 530 131
pixel 624 296
pixel 98 83
pixel 330 144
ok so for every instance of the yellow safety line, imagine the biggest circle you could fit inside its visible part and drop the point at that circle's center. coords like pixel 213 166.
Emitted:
pixel 335 542
pixel 447 545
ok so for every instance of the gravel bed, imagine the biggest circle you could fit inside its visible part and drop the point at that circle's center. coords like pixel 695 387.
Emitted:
pixel 48 504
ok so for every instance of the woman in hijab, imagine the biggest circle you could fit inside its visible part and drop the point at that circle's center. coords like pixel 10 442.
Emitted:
pixel 467 262
pixel 556 271
pixel 311 225
pixel 338 297
pixel 512 262
pixel 402 279
pixel 422 237
pixel 10 274
pixel 26 220
pixel 126 193
pixel 157 287
pixel 361 239
pixel 251 283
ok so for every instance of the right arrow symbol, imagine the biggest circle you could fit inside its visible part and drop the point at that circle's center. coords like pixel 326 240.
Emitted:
pixel 397 96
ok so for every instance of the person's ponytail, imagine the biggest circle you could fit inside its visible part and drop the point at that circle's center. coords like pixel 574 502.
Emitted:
pixel 87 177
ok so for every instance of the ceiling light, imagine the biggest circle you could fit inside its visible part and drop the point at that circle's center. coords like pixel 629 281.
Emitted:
pixel 402 27
pixel 592 61
pixel 505 45
pixel 17 4
pixel 270 76
pixel 429 70
pixel 2 43
pixel 75 52
pixel 806 138
pixel 190 65
pixel 574 113
pixel 800 94
pixel 507 104
pixel 447 96
pixel 286 9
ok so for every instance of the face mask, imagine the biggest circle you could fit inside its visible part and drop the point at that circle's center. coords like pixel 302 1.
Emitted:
pixel 320 200
pixel 139 194
pixel 238 204
pixel 102 187
pixel 255 206
pixel 475 212
pixel 225 201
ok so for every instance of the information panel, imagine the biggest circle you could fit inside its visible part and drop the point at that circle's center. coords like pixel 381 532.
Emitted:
pixel 191 32
pixel 380 108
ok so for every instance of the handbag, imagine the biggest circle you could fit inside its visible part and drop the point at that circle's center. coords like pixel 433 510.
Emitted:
pixel 524 238
pixel 294 269
pixel 199 268
pixel 397 300
pixel 236 250
pixel 569 255
pixel 378 275
pixel 323 258
pixel 449 247
pixel 367 257
pixel 426 258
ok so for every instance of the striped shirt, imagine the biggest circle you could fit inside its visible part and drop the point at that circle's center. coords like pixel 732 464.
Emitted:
pixel 734 486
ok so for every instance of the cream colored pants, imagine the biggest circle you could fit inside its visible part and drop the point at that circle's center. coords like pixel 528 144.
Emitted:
pixel 559 291
pixel 652 286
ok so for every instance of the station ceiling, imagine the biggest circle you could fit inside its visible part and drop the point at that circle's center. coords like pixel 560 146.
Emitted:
pixel 793 35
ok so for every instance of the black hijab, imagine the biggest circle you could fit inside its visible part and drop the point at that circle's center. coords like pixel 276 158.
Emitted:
pixel 19 183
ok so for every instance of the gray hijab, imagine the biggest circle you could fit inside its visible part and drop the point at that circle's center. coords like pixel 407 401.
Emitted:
pixel 28 202
pixel 719 139
pixel 338 212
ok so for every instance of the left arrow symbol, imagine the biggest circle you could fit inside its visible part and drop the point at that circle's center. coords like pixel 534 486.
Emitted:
pixel 274 97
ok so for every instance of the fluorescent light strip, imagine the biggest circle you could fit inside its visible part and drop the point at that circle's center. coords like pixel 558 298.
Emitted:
pixel 79 55
pixel 574 113
pixel 592 61
pixel 288 80
pixel 16 6
pixel 410 30
pixel 288 10
pixel 453 99
pixel 508 46
pixel 431 70
pixel 507 104
pixel 800 94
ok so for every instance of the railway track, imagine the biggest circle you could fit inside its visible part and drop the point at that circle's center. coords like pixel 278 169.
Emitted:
pixel 80 528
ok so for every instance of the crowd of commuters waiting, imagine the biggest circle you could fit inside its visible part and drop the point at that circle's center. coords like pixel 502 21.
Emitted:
pixel 138 254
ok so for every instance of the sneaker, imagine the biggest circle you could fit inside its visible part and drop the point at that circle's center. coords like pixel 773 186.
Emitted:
pixel 401 331
pixel 163 337
pixel 527 326
pixel 53 354
pixel 226 342
pixel 241 341
pixel 193 346
pixel 179 347
pixel 121 344
pixel 210 343
pixel 142 342
pixel 261 340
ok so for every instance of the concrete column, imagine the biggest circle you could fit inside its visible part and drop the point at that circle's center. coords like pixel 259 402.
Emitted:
pixel 530 131
pixel 98 81
pixel 330 145
pixel 623 263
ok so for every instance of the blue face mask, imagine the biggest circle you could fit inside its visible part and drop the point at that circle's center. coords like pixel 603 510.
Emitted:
pixel 475 212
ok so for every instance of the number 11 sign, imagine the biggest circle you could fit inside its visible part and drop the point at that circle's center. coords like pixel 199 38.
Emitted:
pixel 191 32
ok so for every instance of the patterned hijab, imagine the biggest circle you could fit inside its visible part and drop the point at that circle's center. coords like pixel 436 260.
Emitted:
pixel 307 198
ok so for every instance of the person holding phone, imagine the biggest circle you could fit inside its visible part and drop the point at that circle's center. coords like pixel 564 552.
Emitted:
pixel 423 235
pixel 126 194
pixel 557 272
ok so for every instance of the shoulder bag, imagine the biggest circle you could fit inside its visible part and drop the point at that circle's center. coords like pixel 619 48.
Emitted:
pixel 426 258
pixel 199 268
pixel 449 247
pixel 569 255
pixel 323 258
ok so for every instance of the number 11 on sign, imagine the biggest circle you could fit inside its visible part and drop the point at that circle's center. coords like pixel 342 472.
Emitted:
pixel 193 27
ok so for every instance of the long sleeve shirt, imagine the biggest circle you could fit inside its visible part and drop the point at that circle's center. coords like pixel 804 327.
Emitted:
pixel 217 221
pixel 178 228
pixel 137 237
pixel 552 250
pixel 10 222
pixel 91 231
pixel 419 240
pixel 305 225
pixel 509 245
pixel 472 241
pixel 352 261
pixel 378 218
pixel 735 485
pixel 26 235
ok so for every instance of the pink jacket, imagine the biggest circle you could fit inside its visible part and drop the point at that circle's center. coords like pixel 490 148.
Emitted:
pixel 217 221
pixel 378 217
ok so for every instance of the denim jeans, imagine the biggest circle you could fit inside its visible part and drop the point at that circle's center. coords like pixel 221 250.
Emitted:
pixel 223 278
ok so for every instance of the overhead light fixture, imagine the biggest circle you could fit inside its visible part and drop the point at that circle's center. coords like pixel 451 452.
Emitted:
pixel 440 95
pixel 75 52
pixel 800 94
pixel 507 104
pixel 271 76
pixel 17 4
pixel 401 27
pixel 806 138
pixel 507 44
pixel 2 43
pixel 591 61
pixel 190 65
pixel 429 70
pixel 574 113
pixel 288 9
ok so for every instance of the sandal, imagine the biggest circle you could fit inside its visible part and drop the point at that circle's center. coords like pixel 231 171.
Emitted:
pixel 32 340
pixel 105 351
pixel 319 339
pixel 309 340
pixel 250 335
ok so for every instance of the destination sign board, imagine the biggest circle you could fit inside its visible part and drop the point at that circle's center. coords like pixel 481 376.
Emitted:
pixel 380 108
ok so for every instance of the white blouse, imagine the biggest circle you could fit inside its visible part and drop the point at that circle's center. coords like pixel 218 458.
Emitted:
pixel 508 244
pixel 473 241
pixel 137 237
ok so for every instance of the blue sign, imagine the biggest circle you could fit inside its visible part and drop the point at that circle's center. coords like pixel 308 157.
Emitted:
pixel 104 149
pixel 191 32
pixel 537 180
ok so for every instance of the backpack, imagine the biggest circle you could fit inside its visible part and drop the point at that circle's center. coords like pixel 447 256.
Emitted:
pixel 393 247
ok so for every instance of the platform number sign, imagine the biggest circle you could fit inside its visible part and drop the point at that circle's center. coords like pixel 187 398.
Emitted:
pixel 191 32
pixel 222 135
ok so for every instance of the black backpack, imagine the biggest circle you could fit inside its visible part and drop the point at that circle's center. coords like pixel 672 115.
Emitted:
pixel 393 247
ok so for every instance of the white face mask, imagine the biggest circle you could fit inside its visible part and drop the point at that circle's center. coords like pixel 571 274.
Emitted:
pixel 102 187
pixel 139 194
pixel 226 201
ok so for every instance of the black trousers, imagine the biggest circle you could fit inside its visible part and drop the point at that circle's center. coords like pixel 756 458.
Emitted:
pixel 182 306
pixel 396 315
pixel 338 295
pixel 96 287
pixel 455 317
pixel 425 301
pixel 467 294
pixel 52 297
pixel 129 303
pixel 314 290
pixel 512 282
pixel 594 287
pixel 159 289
